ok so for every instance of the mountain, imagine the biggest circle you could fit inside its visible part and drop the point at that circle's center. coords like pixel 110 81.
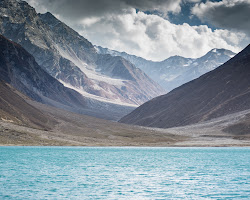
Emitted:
pixel 72 59
pixel 176 70
pixel 27 122
pixel 20 70
pixel 13 108
pixel 219 92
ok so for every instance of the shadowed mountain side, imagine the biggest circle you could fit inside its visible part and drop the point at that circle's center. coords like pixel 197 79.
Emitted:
pixel 13 108
pixel 20 69
pixel 222 91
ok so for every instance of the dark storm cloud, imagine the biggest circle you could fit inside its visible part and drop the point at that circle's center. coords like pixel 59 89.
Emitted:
pixel 78 9
pixel 228 14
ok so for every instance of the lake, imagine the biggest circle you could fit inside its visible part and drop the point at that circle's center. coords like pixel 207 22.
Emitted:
pixel 124 173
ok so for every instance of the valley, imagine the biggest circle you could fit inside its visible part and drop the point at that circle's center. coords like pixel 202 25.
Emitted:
pixel 64 128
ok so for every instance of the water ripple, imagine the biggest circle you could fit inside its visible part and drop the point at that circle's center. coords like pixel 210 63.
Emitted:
pixel 124 173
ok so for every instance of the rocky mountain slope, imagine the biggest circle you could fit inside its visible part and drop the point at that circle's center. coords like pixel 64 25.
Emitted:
pixel 79 130
pixel 14 108
pixel 27 122
pixel 19 69
pixel 73 60
pixel 175 70
pixel 220 92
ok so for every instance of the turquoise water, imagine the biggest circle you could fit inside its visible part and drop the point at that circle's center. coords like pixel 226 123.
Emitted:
pixel 124 173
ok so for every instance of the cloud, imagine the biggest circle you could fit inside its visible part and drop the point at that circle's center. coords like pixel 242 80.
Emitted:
pixel 229 14
pixel 118 25
pixel 155 38
pixel 77 9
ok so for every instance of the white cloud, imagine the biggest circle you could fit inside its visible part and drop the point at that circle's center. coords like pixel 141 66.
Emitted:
pixel 155 38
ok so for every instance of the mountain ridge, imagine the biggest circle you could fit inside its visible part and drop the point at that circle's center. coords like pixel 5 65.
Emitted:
pixel 175 70
pixel 222 91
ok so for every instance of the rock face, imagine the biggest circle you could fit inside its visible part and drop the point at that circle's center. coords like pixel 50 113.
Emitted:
pixel 72 59
pixel 222 91
pixel 176 70
pixel 19 69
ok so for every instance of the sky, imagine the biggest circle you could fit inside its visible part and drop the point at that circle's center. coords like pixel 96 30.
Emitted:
pixel 156 29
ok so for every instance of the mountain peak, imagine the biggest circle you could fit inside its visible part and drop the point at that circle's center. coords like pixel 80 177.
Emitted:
pixel 49 18
pixel 216 53
pixel 221 50
pixel 48 15
pixel 174 57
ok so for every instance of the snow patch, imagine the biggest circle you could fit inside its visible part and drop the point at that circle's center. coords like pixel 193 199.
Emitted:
pixel 98 98
pixel 168 78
